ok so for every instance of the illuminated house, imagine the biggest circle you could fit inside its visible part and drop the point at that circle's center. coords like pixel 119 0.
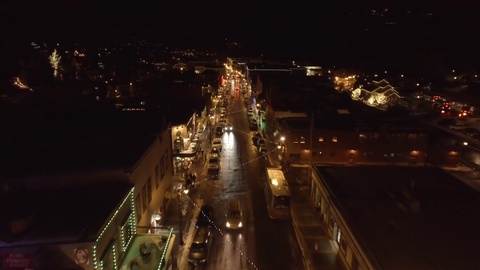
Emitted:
pixel 344 79
pixel 378 94
pixel 78 227
pixel 345 83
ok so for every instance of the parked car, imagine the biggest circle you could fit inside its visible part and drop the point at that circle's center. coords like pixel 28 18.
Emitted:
pixel 261 142
pixel 222 122
pixel 458 126
pixel 219 130
pixel 214 151
pixel 205 217
pixel 446 122
pixel 214 163
pixel 262 151
pixel 198 253
pixel 470 131
pixel 217 143
pixel 255 137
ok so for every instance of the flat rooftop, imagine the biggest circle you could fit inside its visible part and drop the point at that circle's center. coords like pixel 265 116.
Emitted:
pixel 69 142
pixel 159 249
pixel 63 215
pixel 408 217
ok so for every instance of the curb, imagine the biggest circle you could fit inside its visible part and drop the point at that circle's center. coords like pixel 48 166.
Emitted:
pixel 182 260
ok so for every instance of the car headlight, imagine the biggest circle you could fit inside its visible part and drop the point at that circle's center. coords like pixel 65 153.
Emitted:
pixel 240 224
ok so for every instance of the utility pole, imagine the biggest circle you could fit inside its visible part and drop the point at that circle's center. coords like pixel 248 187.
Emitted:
pixel 310 152
pixel 181 221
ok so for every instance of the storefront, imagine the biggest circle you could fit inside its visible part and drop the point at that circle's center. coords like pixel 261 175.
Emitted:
pixel 185 145
pixel 183 159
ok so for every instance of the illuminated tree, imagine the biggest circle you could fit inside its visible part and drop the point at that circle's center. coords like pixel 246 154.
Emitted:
pixel 55 62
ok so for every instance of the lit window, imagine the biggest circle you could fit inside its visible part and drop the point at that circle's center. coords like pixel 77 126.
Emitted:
pixel 320 139
pixel 295 140
pixel 334 139
pixel 302 139
pixel 362 137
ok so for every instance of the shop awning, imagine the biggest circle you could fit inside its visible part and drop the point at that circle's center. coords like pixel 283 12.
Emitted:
pixel 190 152
pixel 184 154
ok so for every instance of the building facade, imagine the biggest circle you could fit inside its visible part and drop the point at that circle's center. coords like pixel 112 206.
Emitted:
pixel 108 237
pixel 386 217
pixel 389 141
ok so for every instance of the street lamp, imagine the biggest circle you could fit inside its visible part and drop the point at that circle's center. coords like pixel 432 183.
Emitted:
pixel 281 148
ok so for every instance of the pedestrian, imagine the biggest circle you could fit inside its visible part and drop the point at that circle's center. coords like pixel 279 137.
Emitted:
pixel 194 179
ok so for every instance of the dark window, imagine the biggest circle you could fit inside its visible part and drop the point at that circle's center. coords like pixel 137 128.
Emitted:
pixel 108 257
pixel 157 178
pixel 343 244
pixel 354 263
pixel 127 228
pixel 144 198
pixel 162 167
pixel 138 207
pixel 149 190
pixel 167 161
pixel 294 158
pixel 362 137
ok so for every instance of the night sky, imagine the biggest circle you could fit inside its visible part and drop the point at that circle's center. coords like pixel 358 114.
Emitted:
pixel 301 27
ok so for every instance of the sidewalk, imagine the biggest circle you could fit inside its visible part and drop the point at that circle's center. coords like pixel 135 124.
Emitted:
pixel 319 252
pixel 187 222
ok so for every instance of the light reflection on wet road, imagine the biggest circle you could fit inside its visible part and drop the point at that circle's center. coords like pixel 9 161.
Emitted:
pixel 262 243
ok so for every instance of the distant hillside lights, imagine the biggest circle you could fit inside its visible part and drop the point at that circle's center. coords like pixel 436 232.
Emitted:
pixel 76 53
pixel 313 71
pixel 17 82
